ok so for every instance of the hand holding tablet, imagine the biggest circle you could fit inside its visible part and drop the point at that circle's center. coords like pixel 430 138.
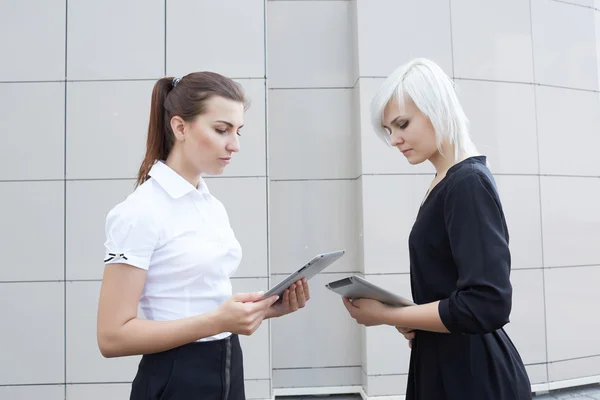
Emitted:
pixel 309 270
pixel 352 287
pixel 355 287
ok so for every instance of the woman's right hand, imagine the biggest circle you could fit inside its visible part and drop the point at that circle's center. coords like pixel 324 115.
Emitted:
pixel 243 313
pixel 409 334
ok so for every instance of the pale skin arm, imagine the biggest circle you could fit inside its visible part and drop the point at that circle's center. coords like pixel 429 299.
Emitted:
pixel 121 333
pixel 425 317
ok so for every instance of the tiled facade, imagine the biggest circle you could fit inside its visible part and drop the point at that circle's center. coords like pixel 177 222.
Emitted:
pixel 75 83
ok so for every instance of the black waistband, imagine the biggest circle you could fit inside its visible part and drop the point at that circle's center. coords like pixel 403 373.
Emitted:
pixel 212 368
pixel 206 347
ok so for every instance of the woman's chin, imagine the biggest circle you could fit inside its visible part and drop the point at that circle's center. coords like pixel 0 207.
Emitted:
pixel 412 160
pixel 214 171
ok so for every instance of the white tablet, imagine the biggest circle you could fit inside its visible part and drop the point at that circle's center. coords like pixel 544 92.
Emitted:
pixel 355 287
pixel 310 269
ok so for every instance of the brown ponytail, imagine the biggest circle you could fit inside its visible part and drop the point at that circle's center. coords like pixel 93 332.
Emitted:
pixel 158 143
pixel 186 99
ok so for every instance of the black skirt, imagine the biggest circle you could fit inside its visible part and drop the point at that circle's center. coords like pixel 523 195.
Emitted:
pixel 201 370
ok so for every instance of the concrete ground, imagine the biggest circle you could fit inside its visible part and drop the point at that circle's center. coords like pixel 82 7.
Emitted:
pixel 591 392
pixel 582 393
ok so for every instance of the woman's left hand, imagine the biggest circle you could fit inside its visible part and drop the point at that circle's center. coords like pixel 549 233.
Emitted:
pixel 293 299
pixel 366 312
pixel 408 333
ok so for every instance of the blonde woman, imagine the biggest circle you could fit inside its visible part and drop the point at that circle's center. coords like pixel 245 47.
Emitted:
pixel 459 255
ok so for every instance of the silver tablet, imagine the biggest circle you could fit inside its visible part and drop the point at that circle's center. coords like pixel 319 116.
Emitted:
pixel 355 287
pixel 310 269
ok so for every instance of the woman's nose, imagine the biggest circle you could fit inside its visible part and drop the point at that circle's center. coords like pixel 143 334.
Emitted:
pixel 233 145
pixel 395 139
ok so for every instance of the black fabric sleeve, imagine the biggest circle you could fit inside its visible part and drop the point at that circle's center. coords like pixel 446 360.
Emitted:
pixel 478 238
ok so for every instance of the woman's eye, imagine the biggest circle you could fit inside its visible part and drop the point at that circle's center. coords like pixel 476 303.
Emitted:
pixel 404 125
pixel 239 133
pixel 221 131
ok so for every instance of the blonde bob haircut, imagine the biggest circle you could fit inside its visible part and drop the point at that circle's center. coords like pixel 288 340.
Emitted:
pixel 434 94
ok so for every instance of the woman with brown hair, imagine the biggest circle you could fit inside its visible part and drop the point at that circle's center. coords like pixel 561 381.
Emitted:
pixel 170 249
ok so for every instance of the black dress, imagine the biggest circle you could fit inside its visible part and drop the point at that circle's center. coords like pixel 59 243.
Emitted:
pixel 459 255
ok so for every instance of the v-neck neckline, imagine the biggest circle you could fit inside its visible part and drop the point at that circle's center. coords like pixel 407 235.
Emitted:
pixel 470 160
pixel 431 190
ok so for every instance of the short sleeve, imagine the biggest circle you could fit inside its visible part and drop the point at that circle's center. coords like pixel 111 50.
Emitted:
pixel 478 239
pixel 131 236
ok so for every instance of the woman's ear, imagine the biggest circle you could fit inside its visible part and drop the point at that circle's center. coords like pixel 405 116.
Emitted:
pixel 178 128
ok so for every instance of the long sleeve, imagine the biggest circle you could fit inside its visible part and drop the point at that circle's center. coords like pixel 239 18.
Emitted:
pixel 478 238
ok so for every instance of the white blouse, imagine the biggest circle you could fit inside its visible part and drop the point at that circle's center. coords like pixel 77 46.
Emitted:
pixel 181 235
